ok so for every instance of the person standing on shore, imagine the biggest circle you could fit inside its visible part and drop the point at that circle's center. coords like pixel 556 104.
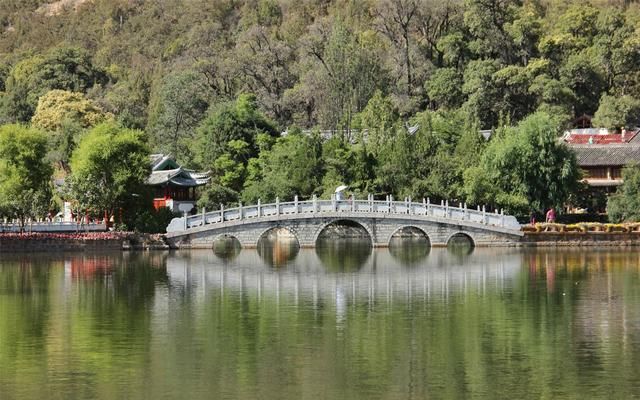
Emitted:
pixel 551 216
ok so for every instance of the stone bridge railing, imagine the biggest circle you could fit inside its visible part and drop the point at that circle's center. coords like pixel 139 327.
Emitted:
pixel 315 206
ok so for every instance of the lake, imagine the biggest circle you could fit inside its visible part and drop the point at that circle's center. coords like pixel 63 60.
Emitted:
pixel 342 321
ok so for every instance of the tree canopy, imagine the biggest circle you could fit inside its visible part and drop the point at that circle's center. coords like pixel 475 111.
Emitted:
pixel 525 168
pixel 25 174
pixel 624 205
pixel 109 168
pixel 387 97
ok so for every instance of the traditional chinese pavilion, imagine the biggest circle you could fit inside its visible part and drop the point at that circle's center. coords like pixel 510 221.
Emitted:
pixel 602 154
pixel 175 186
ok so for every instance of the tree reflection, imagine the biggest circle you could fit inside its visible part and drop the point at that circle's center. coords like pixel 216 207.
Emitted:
pixel 460 245
pixel 343 254
pixel 227 247
pixel 410 246
pixel 278 247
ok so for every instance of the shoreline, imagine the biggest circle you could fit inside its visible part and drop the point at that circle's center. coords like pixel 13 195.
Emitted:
pixel 128 241
pixel 82 241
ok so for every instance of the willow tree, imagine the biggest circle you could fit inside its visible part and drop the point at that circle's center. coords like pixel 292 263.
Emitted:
pixel 524 168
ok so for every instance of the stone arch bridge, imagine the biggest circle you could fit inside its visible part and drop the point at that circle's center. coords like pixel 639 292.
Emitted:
pixel 381 219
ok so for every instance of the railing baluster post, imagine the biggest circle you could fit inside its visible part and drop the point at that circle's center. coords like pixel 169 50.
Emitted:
pixel 277 206
pixel 240 210
pixel 484 214
pixel 259 207
pixel 315 203
pixel 409 205
pixel 370 202
pixel 428 206
pixel 295 203
pixel 333 202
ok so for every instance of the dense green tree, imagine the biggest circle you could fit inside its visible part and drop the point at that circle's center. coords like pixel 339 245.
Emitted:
pixel 482 91
pixel 584 76
pixel 25 175
pixel 445 88
pixel 64 68
pixel 396 162
pixel 228 138
pixel 177 109
pixel 616 112
pixel 231 121
pixel 266 62
pixel 364 70
pixel 59 106
pixel 109 168
pixel 487 21
pixel 293 166
pixel 396 19
pixel 376 121
pixel 128 100
pixel 524 168
pixel 624 205
pixel 445 144
pixel 344 71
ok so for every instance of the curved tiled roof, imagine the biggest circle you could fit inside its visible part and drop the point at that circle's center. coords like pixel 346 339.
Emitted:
pixel 607 155
pixel 163 173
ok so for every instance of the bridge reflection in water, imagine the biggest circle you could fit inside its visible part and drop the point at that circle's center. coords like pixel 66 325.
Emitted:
pixel 351 274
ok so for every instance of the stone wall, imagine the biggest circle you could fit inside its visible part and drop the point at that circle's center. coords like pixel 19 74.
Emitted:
pixel 543 239
pixel 35 244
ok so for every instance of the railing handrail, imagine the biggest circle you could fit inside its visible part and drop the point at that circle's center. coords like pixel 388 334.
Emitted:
pixel 389 206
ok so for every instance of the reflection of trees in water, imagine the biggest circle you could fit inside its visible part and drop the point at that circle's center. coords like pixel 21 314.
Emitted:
pixel 278 247
pixel 548 266
pixel 460 246
pixel 343 254
pixel 343 246
pixel 409 246
pixel 101 300
pixel 227 247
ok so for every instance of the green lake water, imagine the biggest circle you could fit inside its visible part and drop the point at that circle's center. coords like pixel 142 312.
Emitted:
pixel 339 322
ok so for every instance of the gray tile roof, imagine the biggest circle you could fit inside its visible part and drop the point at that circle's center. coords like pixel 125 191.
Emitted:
pixel 607 155
pixel 180 177
pixel 162 172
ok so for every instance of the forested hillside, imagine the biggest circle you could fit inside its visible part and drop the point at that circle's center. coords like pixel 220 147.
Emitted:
pixel 214 82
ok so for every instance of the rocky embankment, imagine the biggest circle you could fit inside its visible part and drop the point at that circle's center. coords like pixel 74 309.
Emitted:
pixel 56 242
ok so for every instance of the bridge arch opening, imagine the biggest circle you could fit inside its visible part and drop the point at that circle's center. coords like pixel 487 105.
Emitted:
pixel 410 245
pixel 226 247
pixel 344 229
pixel 344 245
pixel 460 243
pixel 278 246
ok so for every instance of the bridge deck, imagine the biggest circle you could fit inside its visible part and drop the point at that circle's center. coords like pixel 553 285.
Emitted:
pixel 423 211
